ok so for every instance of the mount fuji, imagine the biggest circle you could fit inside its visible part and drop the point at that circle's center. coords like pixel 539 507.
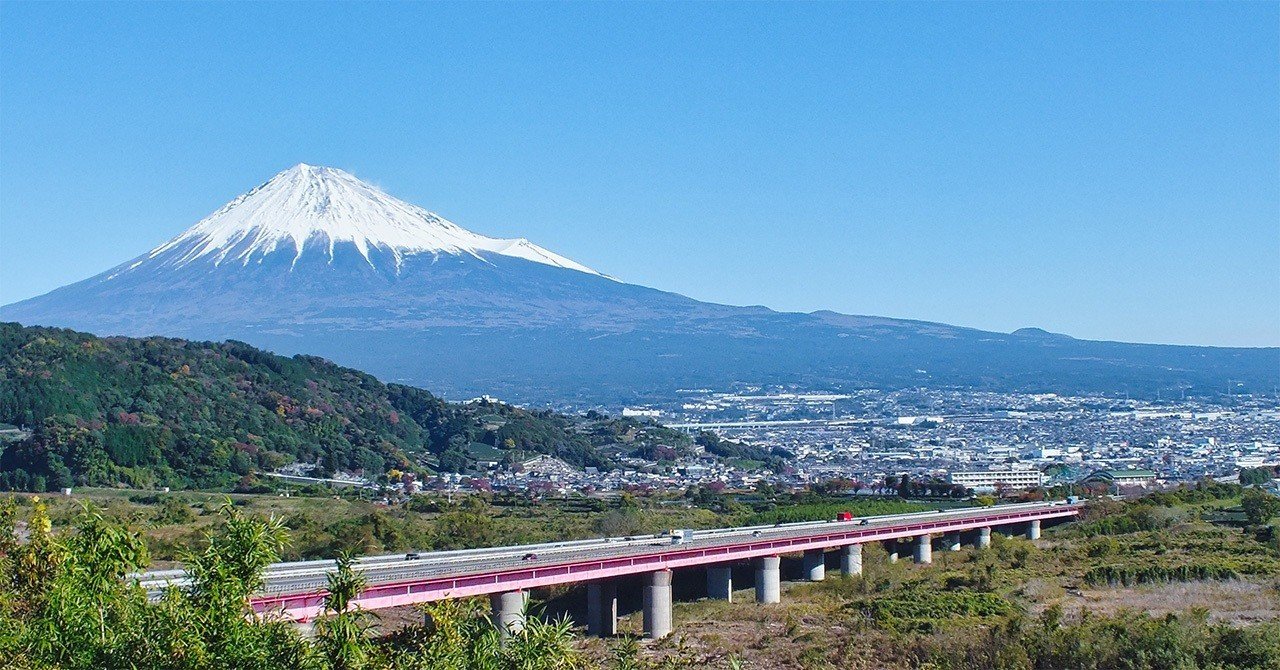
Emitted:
pixel 317 261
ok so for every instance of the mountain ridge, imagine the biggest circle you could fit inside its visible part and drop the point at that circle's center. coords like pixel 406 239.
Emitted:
pixel 315 261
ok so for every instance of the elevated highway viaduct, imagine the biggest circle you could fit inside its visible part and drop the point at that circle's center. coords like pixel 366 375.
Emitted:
pixel 506 574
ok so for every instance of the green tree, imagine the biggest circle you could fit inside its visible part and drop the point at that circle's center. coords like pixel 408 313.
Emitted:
pixel 67 602
pixel 454 460
pixel 1259 506
pixel 469 525
pixel 1256 476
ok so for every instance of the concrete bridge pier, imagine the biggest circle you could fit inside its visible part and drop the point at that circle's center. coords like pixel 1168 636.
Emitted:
pixel 508 611
pixel 1033 530
pixel 952 541
pixel 851 560
pixel 657 605
pixel 924 549
pixel 984 538
pixel 720 582
pixel 815 565
pixel 602 609
pixel 891 546
pixel 769 579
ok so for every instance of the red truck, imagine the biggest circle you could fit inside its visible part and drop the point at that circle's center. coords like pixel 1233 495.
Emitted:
pixel 844 516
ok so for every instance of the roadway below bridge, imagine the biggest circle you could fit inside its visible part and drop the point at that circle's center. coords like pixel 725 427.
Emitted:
pixel 296 590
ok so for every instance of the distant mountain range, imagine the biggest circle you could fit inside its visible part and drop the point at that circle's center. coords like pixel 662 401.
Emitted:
pixel 316 261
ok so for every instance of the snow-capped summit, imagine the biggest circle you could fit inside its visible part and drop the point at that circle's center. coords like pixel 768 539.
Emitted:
pixel 308 206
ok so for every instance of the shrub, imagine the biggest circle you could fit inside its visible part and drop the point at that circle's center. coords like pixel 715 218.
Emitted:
pixel 923 610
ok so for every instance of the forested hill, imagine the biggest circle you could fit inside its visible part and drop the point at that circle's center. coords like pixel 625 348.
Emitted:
pixel 167 412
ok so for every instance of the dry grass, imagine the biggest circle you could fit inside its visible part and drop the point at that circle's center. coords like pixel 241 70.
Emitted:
pixel 797 634
pixel 1239 602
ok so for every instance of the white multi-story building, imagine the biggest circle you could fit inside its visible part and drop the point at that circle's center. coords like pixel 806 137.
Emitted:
pixel 991 479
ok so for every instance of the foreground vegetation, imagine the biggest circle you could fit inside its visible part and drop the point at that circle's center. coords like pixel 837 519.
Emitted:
pixel 68 604
pixel 65 603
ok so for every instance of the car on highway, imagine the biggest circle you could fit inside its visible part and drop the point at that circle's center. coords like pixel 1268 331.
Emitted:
pixel 681 536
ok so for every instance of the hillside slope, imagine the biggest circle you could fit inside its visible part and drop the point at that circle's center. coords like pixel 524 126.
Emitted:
pixel 159 411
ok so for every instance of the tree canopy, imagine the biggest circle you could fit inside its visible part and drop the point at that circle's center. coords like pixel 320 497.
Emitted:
pixel 154 412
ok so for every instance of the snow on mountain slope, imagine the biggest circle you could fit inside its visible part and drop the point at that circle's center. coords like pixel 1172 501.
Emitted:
pixel 305 204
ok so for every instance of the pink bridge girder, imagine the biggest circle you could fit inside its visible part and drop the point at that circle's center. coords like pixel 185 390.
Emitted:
pixel 304 606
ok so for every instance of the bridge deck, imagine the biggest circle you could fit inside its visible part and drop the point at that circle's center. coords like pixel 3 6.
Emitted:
pixel 297 589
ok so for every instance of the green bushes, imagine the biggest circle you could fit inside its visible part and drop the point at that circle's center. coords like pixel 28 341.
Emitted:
pixel 1130 518
pixel 458 636
pixel 66 603
pixel 1127 641
pixel 1143 542
pixel 1155 511
pixel 821 508
pixel 1102 547
pixel 1259 506
pixel 1202 492
pixel 925 610
pixel 1174 561
pixel 1132 575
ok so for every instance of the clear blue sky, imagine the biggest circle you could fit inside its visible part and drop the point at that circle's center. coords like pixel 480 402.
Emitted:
pixel 1110 171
